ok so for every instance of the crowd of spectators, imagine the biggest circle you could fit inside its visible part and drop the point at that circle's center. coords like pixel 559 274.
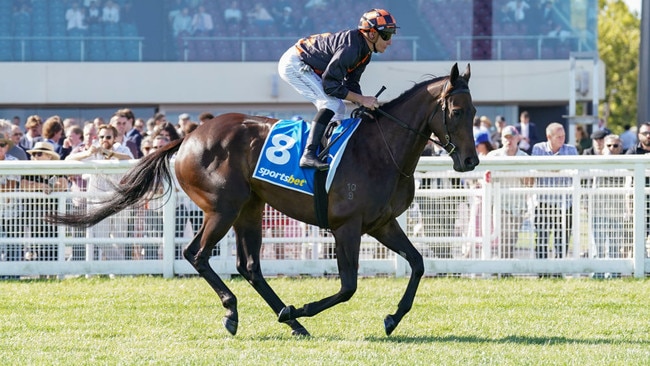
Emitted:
pixel 546 216
pixel 124 137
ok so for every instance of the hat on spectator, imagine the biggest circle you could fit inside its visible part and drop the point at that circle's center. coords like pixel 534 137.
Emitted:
pixel 46 148
pixel 482 137
pixel 509 131
pixel 600 134
pixel 184 116
pixel 6 140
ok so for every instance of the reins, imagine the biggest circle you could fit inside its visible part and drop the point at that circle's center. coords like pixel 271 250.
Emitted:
pixel 449 146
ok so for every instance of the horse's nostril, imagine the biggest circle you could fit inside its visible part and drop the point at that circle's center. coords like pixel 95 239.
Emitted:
pixel 471 162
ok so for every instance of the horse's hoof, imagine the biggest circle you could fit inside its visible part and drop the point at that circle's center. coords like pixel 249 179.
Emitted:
pixel 389 324
pixel 300 332
pixel 286 314
pixel 231 325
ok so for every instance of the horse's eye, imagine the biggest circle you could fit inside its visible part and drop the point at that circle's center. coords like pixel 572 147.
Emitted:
pixel 456 112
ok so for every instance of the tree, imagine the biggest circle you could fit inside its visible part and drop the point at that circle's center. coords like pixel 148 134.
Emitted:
pixel 619 34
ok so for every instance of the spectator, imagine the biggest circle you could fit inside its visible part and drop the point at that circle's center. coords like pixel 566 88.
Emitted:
pixel 259 16
pixel 16 150
pixel 204 117
pixel 116 226
pixel 182 23
pixel 139 125
pixel 610 209
pixel 629 137
pixel 14 133
pixel 286 21
pixel 327 68
pixel 105 149
pixel 159 118
pixel 75 17
pixel 558 36
pixel 33 127
pixel 79 183
pixel 121 124
pixel 499 125
pixel 36 208
pixel 483 144
pixel 583 142
pixel 486 127
pixel 74 139
pixel 98 121
pixel 183 120
pixel 94 13
pixel 189 127
pixel 146 145
pixel 642 148
pixel 16 121
pixel 151 126
pixel 476 126
pixel 518 9
pixel 597 142
pixel 553 213
pixel 9 209
pixel 52 133
pixel 167 130
pixel 202 22
pixel 233 14
pixel 514 206
pixel 528 132
pixel 110 12
pixel 133 135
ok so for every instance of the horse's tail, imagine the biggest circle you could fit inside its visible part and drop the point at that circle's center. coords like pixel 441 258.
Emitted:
pixel 137 186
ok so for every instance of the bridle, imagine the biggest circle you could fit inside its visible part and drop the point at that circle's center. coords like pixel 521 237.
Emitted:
pixel 449 146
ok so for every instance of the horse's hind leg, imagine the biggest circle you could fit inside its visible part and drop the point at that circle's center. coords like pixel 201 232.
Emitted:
pixel 392 236
pixel 198 252
pixel 248 230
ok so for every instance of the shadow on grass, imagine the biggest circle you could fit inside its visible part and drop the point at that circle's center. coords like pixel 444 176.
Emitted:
pixel 504 340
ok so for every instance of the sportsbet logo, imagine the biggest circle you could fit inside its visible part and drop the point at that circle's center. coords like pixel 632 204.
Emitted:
pixel 279 154
pixel 289 179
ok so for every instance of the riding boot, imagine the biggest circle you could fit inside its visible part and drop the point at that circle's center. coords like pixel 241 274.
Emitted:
pixel 309 158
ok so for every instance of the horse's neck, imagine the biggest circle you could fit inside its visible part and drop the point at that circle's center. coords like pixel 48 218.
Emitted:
pixel 406 145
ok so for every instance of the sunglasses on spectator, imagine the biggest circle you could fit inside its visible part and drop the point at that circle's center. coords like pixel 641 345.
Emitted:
pixel 646 133
pixel 18 134
pixel 613 145
pixel 106 137
pixel 3 144
pixel 37 154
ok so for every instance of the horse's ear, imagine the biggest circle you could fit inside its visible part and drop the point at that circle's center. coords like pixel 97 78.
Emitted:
pixel 467 73
pixel 453 75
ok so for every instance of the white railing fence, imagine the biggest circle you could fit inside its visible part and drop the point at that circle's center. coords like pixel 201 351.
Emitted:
pixel 522 215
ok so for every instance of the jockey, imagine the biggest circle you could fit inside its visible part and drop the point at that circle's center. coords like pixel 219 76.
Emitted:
pixel 326 68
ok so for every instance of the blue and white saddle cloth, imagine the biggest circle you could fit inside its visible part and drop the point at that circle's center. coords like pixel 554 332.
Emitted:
pixel 278 161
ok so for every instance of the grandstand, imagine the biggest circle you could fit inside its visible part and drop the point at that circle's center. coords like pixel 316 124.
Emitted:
pixel 37 48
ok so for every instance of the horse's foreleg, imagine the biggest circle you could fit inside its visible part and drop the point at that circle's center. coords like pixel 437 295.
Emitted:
pixel 392 236
pixel 249 244
pixel 198 252
pixel 347 255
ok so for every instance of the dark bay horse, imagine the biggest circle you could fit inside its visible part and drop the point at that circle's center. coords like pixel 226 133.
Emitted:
pixel 373 185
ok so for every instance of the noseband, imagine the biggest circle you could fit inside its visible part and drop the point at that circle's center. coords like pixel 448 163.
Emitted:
pixel 449 146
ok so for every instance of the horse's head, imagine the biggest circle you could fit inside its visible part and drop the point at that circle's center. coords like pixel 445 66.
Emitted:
pixel 455 132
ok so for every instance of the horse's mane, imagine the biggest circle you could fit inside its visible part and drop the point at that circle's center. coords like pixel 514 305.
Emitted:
pixel 407 94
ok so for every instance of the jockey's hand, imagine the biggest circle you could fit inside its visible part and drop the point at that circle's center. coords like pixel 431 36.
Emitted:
pixel 369 102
